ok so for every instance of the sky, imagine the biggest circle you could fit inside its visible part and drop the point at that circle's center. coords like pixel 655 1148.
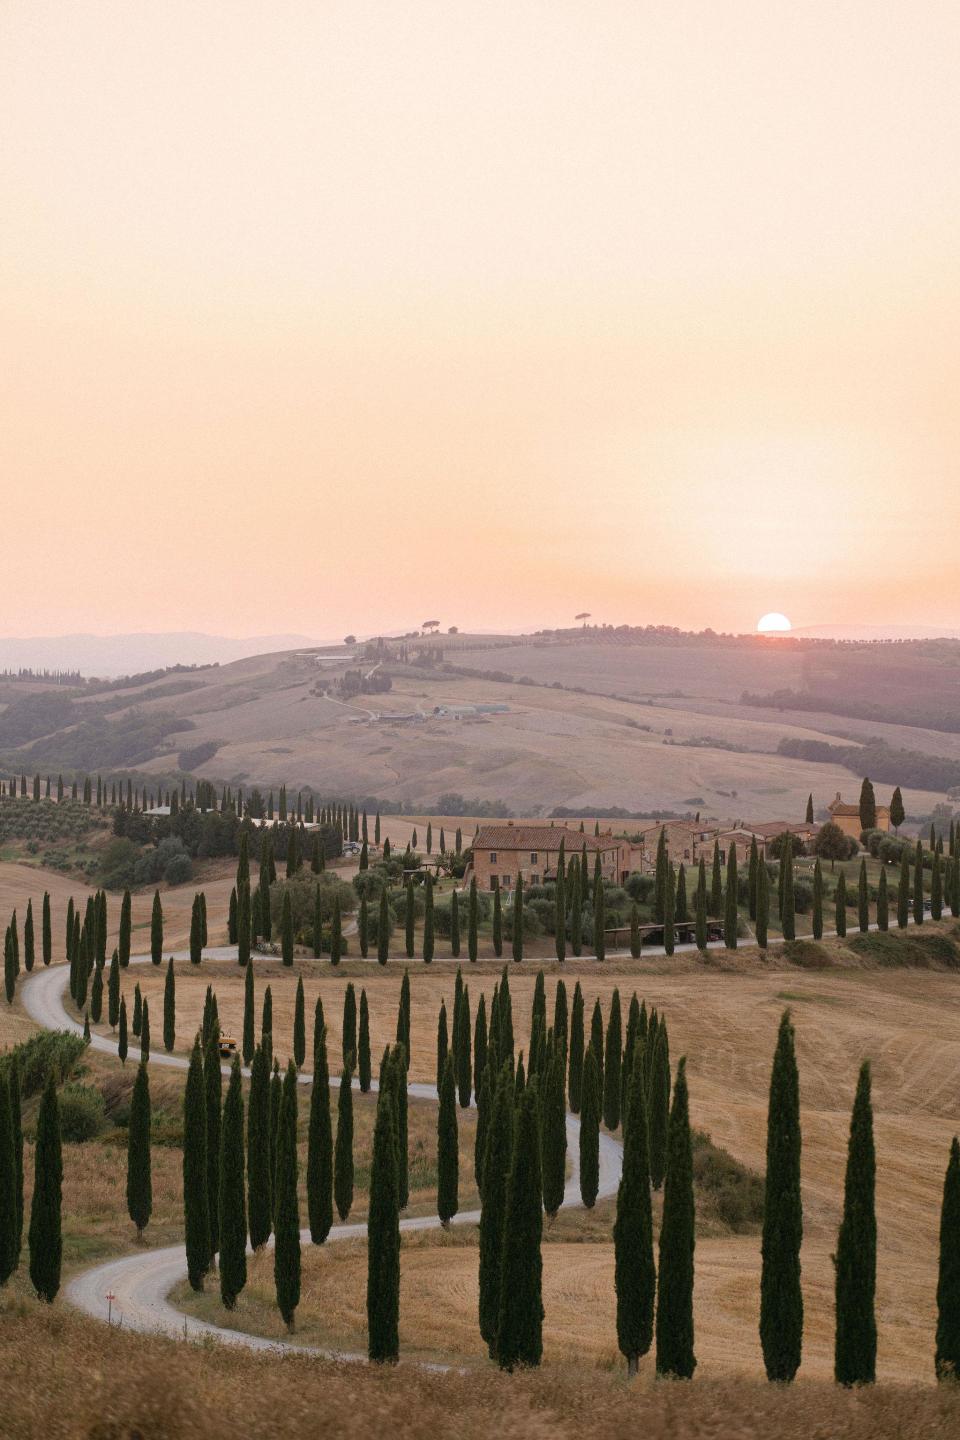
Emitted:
pixel 329 317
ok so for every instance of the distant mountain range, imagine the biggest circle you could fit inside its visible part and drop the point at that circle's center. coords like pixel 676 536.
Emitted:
pixel 106 656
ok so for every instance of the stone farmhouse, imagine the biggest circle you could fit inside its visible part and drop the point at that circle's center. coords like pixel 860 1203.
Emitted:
pixel 848 817
pixel 504 851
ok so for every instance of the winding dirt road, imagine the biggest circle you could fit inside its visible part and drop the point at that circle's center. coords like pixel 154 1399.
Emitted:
pixel 141 1283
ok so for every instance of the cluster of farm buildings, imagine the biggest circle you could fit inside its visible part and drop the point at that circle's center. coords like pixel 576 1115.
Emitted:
pixel 508 849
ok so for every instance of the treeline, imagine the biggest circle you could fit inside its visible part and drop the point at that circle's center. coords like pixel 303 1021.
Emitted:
pixel 43 677
pixel 881 761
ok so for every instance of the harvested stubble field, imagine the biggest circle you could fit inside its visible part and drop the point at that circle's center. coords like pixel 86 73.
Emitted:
pixel 723 1016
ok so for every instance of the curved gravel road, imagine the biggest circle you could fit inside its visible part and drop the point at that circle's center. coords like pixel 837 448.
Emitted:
pixel 141 1283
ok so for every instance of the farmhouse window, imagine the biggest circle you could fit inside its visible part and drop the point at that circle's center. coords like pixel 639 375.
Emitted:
pixel 493 857
pixel 533 857
pixel 493 882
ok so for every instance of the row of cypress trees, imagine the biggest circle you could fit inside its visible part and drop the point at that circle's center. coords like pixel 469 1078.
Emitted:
pixel 44 1236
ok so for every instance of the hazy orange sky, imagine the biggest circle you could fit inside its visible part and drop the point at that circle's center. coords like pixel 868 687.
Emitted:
pixel 331 316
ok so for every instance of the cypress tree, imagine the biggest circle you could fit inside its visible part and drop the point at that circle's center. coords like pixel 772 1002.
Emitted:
pixel 169 1009
pixel 213 1085
pixel 233 1210
pixel 286 929
pixel 669 922
pixel 817 900
pixel 364 1068
pixel 428 928
pixel 442 1043
pixel 863 899
pixel 244 923
pixel 454 926
pixel 383 1232
pixel 29 951
pixel 383 929
pixel 635 1276
pixel 343 1153
pixel 122 1041
pixel 448 1148
pixel 46 930
pixel 680 910
pixel 286 1207
pixel 883 903
pixel 674 1325
pixel 576 907
pixel 554 1131
pixel 472 920
pixel 505 1043
pixel 484 1105
pixel 658 1104
pixel 156 932
pixel 596 1040
pixel 752 879
pixel 139 1187
pixel 349 1029
pixel 462 1052
pixel 276 1096
pixel 336 932
pixel 248 1042
pixel 611 1065
pixel 629 1052
pixel 403 1016
pixel 113 992
pixel 590 1129
pixel 45 1238
pixel 636 944
pixel 496 1171
pixel 560 1022
pixel 716 883
pixel 936 888
pixel 479 1044
pixel 730 916
pixel 903 891
pixel 841 905
pixel 947 1354
pixel 409 920
pixel 520 1320
pixel 398 1079
pixel 661 866
pixel 96 995
pixel 809 815
pixel 763 905
pixel 788 913
pixel 266 1026
pixel 781 1297
pixel 517 927
pixel 317 923
pixel 320 1141
pixel 145 1031
pixel 560 909
pixel 897 814
pixel 10 1198
pixel 918 885
pixel 575 1086
pixel 16 1125
pixel 855 1351
pixel 9 971
pixel 259 1178
pixel 868 807
pixel 497 924
pixel 195 1202
pixel 232 918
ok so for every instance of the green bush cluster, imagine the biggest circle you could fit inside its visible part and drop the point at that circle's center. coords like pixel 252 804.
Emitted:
pixel 56 1050
pixel 82 1113
pixel 726 1188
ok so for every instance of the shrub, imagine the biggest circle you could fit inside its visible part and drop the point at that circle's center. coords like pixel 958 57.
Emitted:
pixel 118 865
pixel 915 951
pixel 82 1113
pixel 725 1187
pixel 640 887
pixel 807 954
pixel 178 870
pixel 57 1050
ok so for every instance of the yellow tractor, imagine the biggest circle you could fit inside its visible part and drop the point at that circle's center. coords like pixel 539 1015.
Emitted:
pixel 228 1047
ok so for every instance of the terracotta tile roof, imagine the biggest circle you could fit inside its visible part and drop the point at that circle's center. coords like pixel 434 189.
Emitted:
pixel 539 837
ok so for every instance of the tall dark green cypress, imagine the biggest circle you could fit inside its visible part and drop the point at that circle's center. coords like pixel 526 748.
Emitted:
pixel 96 995
pixel 233 1209
pixel 45 1237
pixel 763 905
pixel 320 1141
pixel 383 929
pixel 576 906
pixel 817 900
pixel 855 1268
pixel 145 1032
pixel 918 885
pixel 259 1180
pixel 409 920
pixel 863 900
pixel 454 926
pixel 195 1202
pixel 752 879
pixel 266 1026
pixel 575 1090
pixel 658 1104
pixel 553 1122
pixel 520 1320
pixel 947 1353
pixel 883 902
pixel 464 1073
pixel 122 1031
pixel 497 929
pixel 113 992
pixel 611 1065
pixel 635 1276
pixel 661 865
pixel 496 1170
pixel 448 1148
pixel 383 1230
pixel 730 916
pixel 349 1028
pixel 903 891
pixel 213 1085
pixel 139 1183
pixel 599 920
pixel 286 928
pixel 244 924
pixel 343 1151
pixel 669 913
pixel 10 1197
pixel 841 905
pixel 788 910
pixel 169 1008
pixel 249 1012
pixel 336 931
pixel 596 1040
pixel 473 920
pixel 156 931
pixel 716 883
pixel 781 1297
pixel 286 1207
pixel 517 926
pixel 590 1130
pixel 299 1027
pixel 123 939
pixel 398 1078
pixel 29 946
pixel 479 1044
pixel 674 1324
pixel 364 1069
pixel 46 930
pixel 16 1125
pixel 936 888
pixel 442 1043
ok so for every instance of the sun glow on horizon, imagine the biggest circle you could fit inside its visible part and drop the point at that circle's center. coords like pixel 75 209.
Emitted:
pixel 773 623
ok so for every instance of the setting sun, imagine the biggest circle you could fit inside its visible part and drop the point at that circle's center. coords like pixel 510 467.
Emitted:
pixel 773 623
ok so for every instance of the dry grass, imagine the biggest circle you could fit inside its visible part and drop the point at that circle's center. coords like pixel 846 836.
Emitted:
pixel 100 1384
